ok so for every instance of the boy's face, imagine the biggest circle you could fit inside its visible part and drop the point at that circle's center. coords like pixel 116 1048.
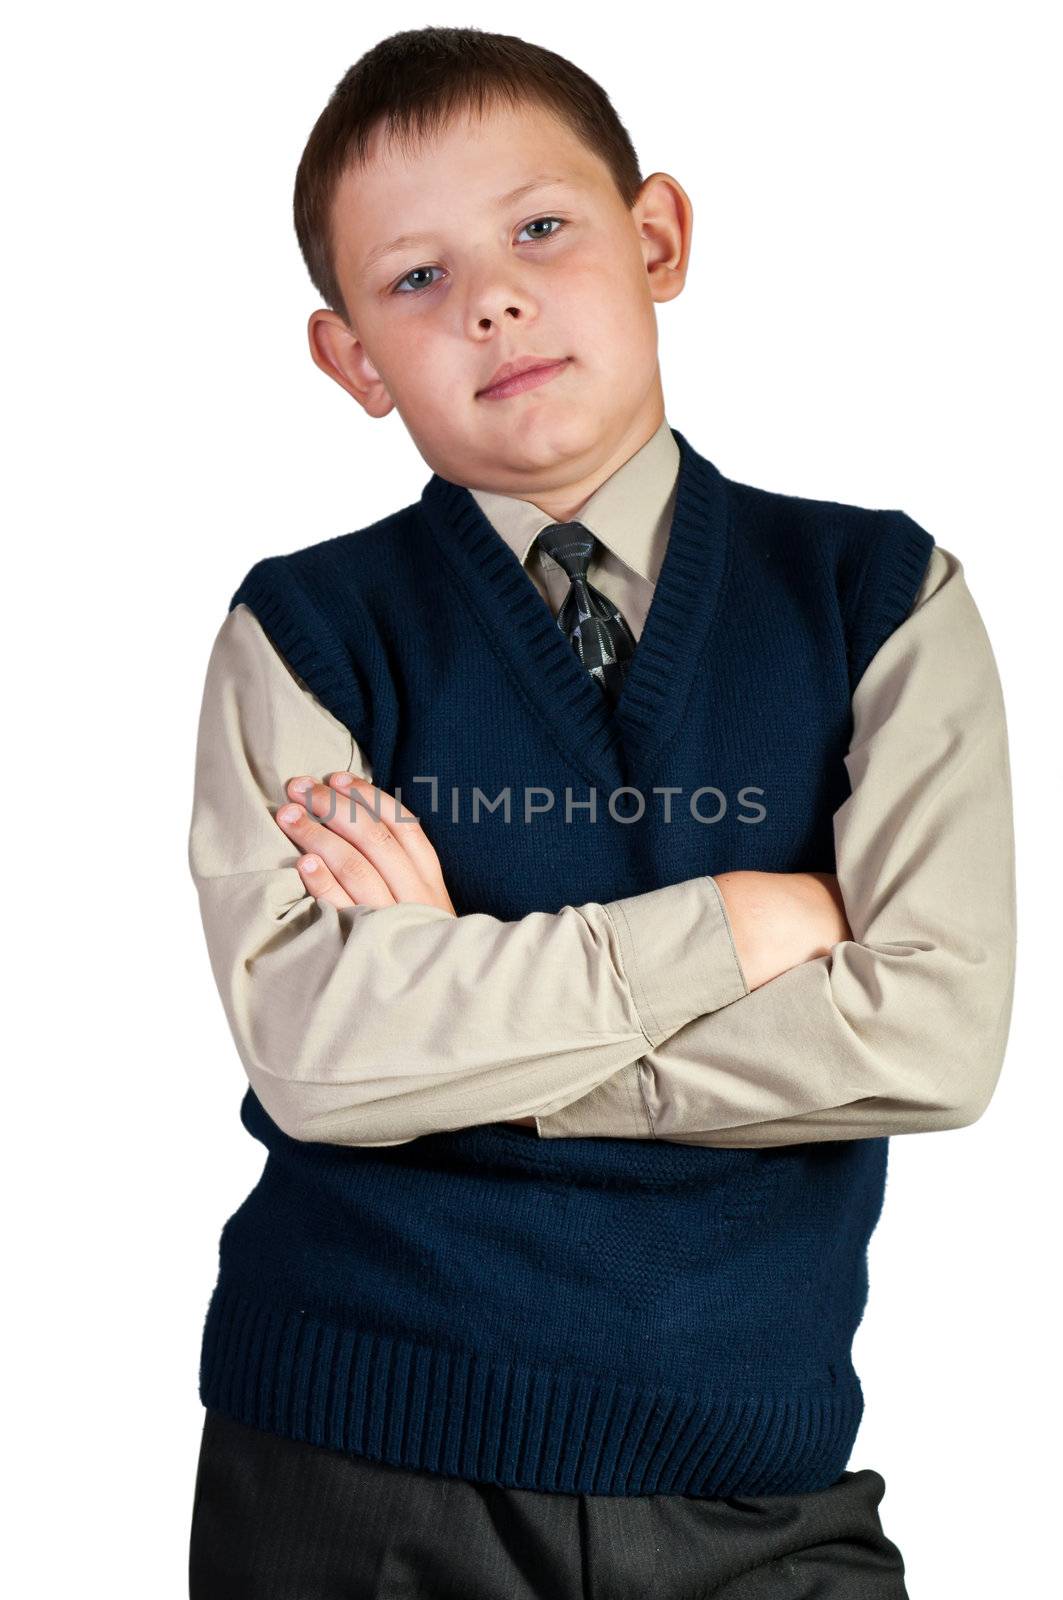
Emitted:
pixel 561 272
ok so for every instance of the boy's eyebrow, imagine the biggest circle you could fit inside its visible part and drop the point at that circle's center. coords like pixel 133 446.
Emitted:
pixel 405 239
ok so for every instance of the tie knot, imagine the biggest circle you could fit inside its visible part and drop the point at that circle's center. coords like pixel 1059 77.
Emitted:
pixel 569 544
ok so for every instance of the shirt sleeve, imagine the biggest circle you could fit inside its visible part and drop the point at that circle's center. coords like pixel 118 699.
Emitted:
pixel 373 1026
pixel 903 1028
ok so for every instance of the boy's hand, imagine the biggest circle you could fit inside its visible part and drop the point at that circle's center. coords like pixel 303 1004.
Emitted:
pixel 363 848
pixel 780 919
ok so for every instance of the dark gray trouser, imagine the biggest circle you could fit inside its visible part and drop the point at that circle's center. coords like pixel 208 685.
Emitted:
pixel 277 1519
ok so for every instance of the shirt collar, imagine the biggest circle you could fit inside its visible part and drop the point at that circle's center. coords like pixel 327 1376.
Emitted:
pixel 631 512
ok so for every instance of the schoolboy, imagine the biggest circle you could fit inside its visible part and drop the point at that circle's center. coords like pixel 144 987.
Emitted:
pixel 445 1356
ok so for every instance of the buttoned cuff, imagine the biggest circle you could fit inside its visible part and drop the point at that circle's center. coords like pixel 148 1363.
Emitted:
pixel 616 1109
pixel 678 951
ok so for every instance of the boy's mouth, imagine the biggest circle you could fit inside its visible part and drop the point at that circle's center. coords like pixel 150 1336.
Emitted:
pixel 513 377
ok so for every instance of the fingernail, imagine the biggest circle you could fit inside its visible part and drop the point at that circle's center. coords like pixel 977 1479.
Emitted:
pixel 289 814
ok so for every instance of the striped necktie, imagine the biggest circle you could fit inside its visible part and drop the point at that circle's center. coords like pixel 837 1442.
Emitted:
pixel 594 627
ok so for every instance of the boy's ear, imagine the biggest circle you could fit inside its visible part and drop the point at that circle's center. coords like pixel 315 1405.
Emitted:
pixel 340 353
pixel 664 217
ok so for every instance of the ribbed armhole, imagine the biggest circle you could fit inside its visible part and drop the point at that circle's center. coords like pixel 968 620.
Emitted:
pixel 886 589
pixel 304 637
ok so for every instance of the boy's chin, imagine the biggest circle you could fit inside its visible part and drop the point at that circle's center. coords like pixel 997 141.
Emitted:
pixel 524 449
pixel 540 432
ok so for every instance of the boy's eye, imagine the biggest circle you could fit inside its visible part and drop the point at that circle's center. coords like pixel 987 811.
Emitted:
pixel 415 272
pixel 536 222
pixel 398 289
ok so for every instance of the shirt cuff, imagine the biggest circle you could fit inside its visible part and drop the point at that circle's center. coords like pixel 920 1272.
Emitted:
pixel 678 951
pixel 618 1104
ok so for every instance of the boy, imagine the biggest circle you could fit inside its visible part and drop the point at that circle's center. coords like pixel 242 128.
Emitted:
pixel 577 1071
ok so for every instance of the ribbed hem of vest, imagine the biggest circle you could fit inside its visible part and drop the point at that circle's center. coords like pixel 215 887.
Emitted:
pixel 492 1421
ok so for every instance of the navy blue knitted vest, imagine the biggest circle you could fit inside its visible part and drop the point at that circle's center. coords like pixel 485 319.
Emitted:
pixel 608 1316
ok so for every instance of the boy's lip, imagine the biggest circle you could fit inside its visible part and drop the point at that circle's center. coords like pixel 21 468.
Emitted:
pixel 532 370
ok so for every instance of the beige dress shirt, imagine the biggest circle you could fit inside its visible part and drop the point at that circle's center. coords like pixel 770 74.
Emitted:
pixel 373 1026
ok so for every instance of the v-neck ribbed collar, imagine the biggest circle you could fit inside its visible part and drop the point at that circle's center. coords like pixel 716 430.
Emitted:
pixel 493 582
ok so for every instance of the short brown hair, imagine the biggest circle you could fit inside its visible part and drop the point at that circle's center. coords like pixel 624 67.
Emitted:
pixel 413 82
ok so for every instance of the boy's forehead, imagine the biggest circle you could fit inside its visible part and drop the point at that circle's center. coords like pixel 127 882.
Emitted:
pixel 486 137
pixel 469 165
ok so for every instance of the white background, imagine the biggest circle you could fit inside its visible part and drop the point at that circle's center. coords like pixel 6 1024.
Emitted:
pixel 870 316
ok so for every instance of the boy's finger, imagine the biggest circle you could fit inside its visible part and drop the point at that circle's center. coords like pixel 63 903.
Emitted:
pixel 352 870
pixel 390 806
pixel 404 824
pixel 376 802
pixel 344 829
pixel 320 882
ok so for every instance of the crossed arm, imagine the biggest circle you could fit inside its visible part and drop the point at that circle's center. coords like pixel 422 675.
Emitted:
pixel 377 1021
pixel 374 1017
